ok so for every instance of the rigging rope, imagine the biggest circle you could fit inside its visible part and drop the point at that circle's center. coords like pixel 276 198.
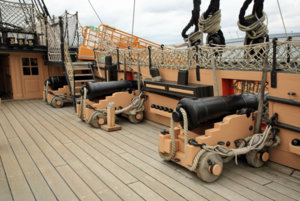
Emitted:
pixel 26 20
pixel 194 36
pixel 95 12
pixel 282 19
pixel 46 9
pixel 133 17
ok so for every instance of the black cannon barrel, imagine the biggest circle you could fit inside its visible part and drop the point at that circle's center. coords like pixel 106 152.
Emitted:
pixel 201 110
pixel 56 82
pixel 97 90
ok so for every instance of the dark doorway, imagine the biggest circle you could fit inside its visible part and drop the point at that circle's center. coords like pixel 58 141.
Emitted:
pixel 5 78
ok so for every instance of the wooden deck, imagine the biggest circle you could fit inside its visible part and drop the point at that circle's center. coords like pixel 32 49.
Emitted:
pixel 50 154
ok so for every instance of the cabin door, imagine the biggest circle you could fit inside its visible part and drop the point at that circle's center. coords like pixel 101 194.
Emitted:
pixel 5 78
pixel 32 76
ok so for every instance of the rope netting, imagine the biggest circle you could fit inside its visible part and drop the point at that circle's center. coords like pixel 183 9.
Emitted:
pixel 22 20
pixel 248 57
pixel 71 35
pixel 17 16
pixel 71 29
pixel 288 56
pixel 53 36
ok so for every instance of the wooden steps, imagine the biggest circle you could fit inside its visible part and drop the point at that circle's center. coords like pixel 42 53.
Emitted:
pixel 83 73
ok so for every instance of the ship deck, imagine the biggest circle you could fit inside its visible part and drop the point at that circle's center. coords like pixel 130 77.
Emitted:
pixel 50 154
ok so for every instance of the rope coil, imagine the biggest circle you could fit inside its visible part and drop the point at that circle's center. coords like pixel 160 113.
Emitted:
pixel 210 25
pixel 255 30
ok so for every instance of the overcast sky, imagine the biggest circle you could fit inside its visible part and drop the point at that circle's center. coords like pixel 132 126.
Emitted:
pixel 162 21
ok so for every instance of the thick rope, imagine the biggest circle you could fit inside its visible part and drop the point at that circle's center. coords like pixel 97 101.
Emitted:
pixel 137 104
pixel 95 12
pixel 193 20
pixel 210 25
pixel 194 37
pixel 255 30
pixel 282 19
pixel 186 139
pixel 255 142
pixel 172 154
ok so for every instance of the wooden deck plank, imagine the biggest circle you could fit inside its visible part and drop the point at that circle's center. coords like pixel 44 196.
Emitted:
pixel 248 193
pixel 145 192
pixel 38 185
pixel 59 187
pixel 88 154
pixel 280 168
pixel 245 181
pixel 59 114
pixel 9 131
pixel 296 174
pixel 272 177
pixel 120 188
pixel 88 176
pixel 254 177
pixel 55 138
pixel 144 131
pixel 5 193
pixel 280 175
pixel 241 170
pixel 72 135
pixel 284 190
pixel 122 140
pixel 160 188
pixel 192 185
pixel 123 175
pixel 20 189
pixel 169 181
pixel 171 170
pixel 77 185
pixel 221 190
pixel 25 123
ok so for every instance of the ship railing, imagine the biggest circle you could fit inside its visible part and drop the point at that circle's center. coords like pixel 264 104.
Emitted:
pixel 249 58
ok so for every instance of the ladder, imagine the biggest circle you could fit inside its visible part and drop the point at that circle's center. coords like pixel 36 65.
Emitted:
pixel 77 73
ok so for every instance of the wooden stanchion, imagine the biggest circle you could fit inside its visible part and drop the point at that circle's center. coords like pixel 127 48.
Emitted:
pixel 111 119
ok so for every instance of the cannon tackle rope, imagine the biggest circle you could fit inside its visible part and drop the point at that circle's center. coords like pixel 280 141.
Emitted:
pixel 137 104
pixel 255 142
pixel 186 139
pixel 172 154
